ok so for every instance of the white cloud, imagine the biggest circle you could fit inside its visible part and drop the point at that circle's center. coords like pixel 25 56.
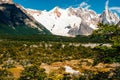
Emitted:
pixel 115 9
pixel 87 7
pixel 84 5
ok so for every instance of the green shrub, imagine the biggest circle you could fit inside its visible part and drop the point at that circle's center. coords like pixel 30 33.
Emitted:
pixel 6 75
pixel 33 73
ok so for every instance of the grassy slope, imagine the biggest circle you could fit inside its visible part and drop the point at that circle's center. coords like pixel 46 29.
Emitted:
pixel 21 30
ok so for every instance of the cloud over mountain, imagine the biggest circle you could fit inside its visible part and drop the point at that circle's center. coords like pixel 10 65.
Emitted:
pixel 84 5
pixel 115 9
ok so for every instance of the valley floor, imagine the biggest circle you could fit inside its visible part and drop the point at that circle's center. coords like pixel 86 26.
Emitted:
pixel 58 61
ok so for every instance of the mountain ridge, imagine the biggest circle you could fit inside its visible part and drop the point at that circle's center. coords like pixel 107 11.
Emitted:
pixel 15 20
pixel 73 21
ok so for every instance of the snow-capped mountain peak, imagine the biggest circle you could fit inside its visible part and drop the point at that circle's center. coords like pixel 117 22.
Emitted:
pixel 58 21
pixel 73 21
pixel 108 17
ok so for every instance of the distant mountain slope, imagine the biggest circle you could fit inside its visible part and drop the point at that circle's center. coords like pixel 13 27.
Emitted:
pixel 15 20
pixel 73 21
pixel 65 22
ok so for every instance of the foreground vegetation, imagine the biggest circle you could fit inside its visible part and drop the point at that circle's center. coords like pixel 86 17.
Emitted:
pixel 32 57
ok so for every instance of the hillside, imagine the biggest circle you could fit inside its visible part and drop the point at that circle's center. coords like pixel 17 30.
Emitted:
pixel 15 20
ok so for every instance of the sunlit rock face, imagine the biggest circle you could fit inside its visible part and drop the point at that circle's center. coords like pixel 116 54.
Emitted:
pixel 6 1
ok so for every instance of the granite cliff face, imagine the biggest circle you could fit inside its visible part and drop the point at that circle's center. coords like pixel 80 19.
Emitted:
pixel 108 17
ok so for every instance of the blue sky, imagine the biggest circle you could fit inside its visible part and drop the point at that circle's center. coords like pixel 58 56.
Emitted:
pixel 97 5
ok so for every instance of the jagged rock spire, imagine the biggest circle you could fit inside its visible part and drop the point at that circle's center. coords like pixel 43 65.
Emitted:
pixel 106 7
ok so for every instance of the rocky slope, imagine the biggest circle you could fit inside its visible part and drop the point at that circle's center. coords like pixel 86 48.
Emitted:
pixel 15 20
